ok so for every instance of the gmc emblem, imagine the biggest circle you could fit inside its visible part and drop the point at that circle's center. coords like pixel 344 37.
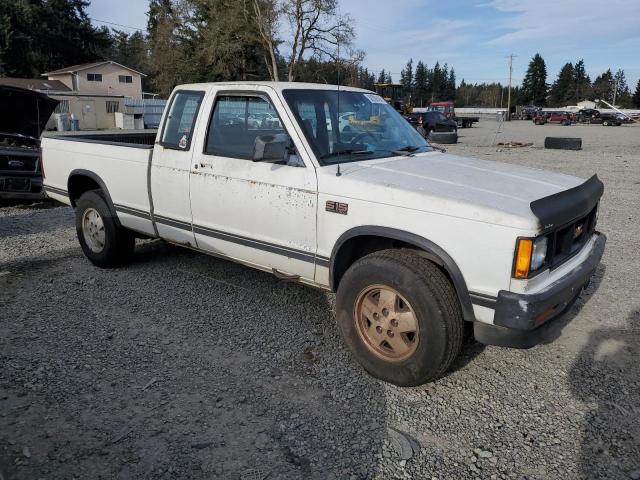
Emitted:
pixel 337 207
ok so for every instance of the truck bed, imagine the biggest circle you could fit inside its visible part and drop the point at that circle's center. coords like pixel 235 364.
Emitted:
pixel 137 138
pixel 119 160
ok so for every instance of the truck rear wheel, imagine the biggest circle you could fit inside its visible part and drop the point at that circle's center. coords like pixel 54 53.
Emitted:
pixel 400 316
pixel 104 243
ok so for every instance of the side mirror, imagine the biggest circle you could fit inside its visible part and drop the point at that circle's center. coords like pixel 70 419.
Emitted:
pixel 272 148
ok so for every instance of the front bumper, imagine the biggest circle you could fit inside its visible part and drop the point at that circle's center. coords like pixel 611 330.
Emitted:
pixel 32 190
pixel 523 321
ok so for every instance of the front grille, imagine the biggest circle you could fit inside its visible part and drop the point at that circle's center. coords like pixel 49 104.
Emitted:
pixel 569 239
pixel 18 163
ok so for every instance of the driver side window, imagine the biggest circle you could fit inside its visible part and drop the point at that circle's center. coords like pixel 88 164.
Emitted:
pixel 236 122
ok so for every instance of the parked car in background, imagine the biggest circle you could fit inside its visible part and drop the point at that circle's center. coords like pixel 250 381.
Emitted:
pixel 529 112
pixel 415 242
pixel 263 120
pixel 588 115
pixel 562 118
pixel 23 117
pixel 449 111
pixel 611 119
pixel 428 122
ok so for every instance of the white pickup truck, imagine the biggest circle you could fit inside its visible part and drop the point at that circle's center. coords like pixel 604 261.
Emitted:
pixel 331 187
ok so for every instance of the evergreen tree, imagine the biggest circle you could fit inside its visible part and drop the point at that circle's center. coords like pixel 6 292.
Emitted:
pixel 451 85
pixel 435 83
pixel 406 78
pixel 480 95
pixel 636 96
pixel 603 86
pixel 561 90
pixel 388 78
pixel 382 77
pixel 420 84
pixel 623 94
pixel 534 85
pixel 581 83
pixel 366 79
pixel 40 36
pixel 129 49
pixel 170 58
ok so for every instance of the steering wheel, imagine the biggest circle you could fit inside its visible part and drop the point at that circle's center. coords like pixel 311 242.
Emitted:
pixel 362 135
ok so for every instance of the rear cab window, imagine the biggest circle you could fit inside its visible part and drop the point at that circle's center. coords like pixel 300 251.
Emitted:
pixel 180 122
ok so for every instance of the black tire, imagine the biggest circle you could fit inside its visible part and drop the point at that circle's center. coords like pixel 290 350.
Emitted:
pixel 446 138
pixel 605 123
pixel 431 297
pixel 563 143
pixel 118 242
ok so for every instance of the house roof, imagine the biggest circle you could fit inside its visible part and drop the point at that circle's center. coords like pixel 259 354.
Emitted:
pixel 37 84
pixel 86 66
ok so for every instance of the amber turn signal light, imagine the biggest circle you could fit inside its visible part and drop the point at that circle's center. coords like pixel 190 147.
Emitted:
pixel 523 258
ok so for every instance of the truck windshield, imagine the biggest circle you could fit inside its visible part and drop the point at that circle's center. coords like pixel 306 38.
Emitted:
pixel 346 126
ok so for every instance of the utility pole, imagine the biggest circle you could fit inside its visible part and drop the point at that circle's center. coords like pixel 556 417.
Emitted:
pixel 615 92
pixel 510 57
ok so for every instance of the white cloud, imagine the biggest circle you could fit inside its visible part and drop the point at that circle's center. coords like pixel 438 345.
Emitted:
pixel 566 21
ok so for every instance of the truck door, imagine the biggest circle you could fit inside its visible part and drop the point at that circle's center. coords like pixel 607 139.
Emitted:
pixel 263 214
pixel 170 167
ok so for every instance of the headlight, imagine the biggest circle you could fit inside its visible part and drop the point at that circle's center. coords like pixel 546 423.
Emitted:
pixel 539 253
pixel 530 256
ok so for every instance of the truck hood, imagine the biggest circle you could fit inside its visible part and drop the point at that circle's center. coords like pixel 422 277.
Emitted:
pixel 481 190
pixel 24 112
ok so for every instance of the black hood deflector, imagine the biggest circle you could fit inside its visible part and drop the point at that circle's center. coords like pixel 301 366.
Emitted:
pixel 564 207
pixel 24 112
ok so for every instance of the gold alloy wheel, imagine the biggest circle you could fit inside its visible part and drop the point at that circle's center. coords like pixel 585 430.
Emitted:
pixel 386 323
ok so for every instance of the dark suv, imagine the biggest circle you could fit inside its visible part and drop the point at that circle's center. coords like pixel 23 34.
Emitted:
pixel 23 117
pixel 431 122
pixel 588 115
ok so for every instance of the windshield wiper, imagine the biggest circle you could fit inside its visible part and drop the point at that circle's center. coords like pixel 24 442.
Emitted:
pixel 345 152
pixel 407 150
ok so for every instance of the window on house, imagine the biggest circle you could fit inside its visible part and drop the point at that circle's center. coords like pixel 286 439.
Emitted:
pixel 113 106
pixel 94 77
pixel 178 126
pixel 125 78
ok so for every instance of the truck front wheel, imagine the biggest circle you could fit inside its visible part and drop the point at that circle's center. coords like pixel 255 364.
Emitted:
pixel 400 316
pixel 104 243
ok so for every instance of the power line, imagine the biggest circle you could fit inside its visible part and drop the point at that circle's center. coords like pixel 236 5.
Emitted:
pixel 117 24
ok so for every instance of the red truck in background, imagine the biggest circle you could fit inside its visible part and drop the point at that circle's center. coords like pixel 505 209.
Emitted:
pixel 563 118
pixel 449 111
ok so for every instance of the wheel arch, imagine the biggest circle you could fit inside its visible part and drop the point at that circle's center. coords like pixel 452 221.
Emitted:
pixel 342 258
pixel 81 181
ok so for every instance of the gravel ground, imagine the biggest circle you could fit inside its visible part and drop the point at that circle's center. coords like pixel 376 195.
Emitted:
pixel 185 366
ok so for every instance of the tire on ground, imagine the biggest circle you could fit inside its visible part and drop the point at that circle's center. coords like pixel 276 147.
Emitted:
pixel 119 243
pixel 443 137
pixel 429 295
pixel 563 143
